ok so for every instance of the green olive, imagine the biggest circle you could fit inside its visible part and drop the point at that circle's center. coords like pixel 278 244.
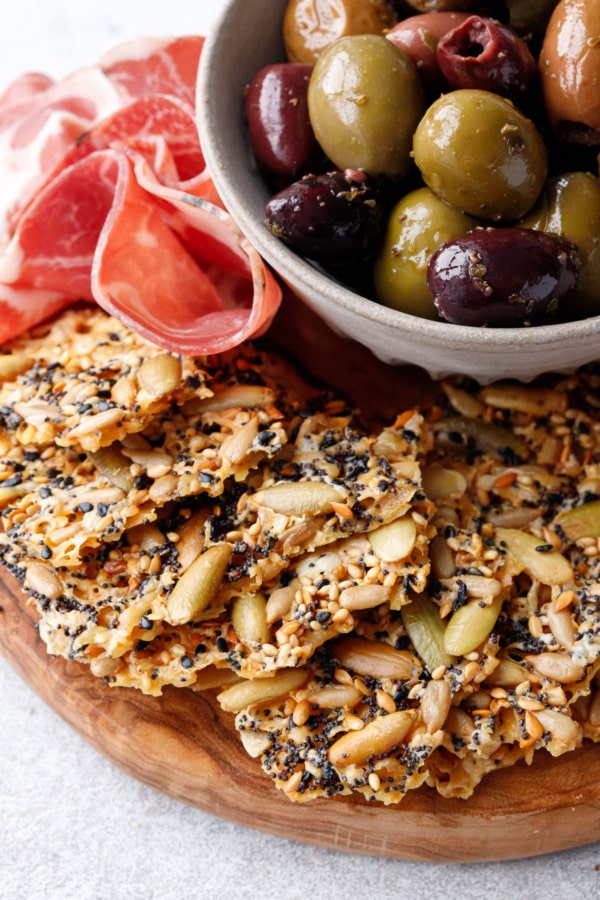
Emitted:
pixel 570 207
pixel 418 224
pixel 365 99
pixel 309 26
pixel 479 153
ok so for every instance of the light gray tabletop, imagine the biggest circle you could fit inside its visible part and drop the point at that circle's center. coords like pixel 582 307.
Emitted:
pixel 74 826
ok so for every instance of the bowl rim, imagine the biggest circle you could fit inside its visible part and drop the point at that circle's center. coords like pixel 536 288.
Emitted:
pixel 296 271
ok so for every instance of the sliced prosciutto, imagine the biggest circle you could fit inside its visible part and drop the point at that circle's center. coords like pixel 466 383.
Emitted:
pixel 115 205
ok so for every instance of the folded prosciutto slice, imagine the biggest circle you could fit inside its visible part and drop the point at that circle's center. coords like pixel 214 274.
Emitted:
pixel 105 197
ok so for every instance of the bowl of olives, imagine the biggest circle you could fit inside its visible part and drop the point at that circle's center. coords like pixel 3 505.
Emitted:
pixel 423 174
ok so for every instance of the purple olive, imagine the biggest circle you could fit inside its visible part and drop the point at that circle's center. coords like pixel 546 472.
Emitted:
pixel 501 276
pixel 281 135
pixel 336 218
pixel 482 53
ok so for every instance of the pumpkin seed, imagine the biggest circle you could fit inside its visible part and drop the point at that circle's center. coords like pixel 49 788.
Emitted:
pixel 470 626
pixel 160 375
pixel 439 482
pixel 367 657
pixel 425 628
pixel 198 585
pixel 13 364
pixel 394 541
pixel 580 522
pixel 298 498
pixel 249 618
pixel 487 437
pixel 262 690
pixel 114 465
pixel 377 738
pixel 548 567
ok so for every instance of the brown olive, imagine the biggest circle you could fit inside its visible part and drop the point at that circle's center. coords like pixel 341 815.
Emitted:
pixel 309 26
pixel 569 66
pixel 365 99
pixel 570 207
pixel 416 227
pixel 419 35
pixel 477 151
pixel 501 277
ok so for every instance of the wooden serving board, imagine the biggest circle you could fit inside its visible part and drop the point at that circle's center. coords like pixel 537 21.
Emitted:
pixel 184 745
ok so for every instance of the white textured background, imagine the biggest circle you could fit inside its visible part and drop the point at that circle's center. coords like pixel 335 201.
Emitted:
pixel 73 826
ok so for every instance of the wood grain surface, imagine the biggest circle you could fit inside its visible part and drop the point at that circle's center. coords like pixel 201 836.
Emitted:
pixel 183 745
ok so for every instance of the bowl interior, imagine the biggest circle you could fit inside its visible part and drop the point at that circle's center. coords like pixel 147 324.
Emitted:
pixel 249 35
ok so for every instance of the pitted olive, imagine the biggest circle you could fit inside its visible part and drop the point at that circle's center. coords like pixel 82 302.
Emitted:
pixel 365 99
pixel 419 37
pixel 483 53
pixel 570 207
pixel 477 151
pixel 417 226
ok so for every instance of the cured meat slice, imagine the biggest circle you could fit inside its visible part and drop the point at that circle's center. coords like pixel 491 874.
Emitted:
pixel 114 205
pixel 155 65
pixel 38 125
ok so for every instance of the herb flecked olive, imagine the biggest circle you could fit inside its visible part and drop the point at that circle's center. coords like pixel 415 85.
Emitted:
pixel 418 224
pixel 502 277
pixel 365 99
pixel 477 151
pixel 309 26
pixel 570 207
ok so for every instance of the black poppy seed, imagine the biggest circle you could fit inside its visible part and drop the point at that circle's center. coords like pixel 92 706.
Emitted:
pixel 46 552
pixel 86 506
pixel 323 616
pixel 221 645
pixel 145 623
pixel 45 492
pixel 187 662
pixel 544 548
pixel 104 405
pixel 199 649
pixel 84 408
pixel 13 480
pixel 102 509
pixel 265 437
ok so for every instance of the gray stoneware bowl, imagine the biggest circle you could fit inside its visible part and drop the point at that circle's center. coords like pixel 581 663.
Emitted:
pixel 248 36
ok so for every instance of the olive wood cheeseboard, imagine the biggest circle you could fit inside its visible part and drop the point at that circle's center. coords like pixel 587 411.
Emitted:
pixel 184 745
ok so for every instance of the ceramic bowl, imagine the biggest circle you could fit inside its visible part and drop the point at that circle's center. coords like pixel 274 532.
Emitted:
pixel 248 36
